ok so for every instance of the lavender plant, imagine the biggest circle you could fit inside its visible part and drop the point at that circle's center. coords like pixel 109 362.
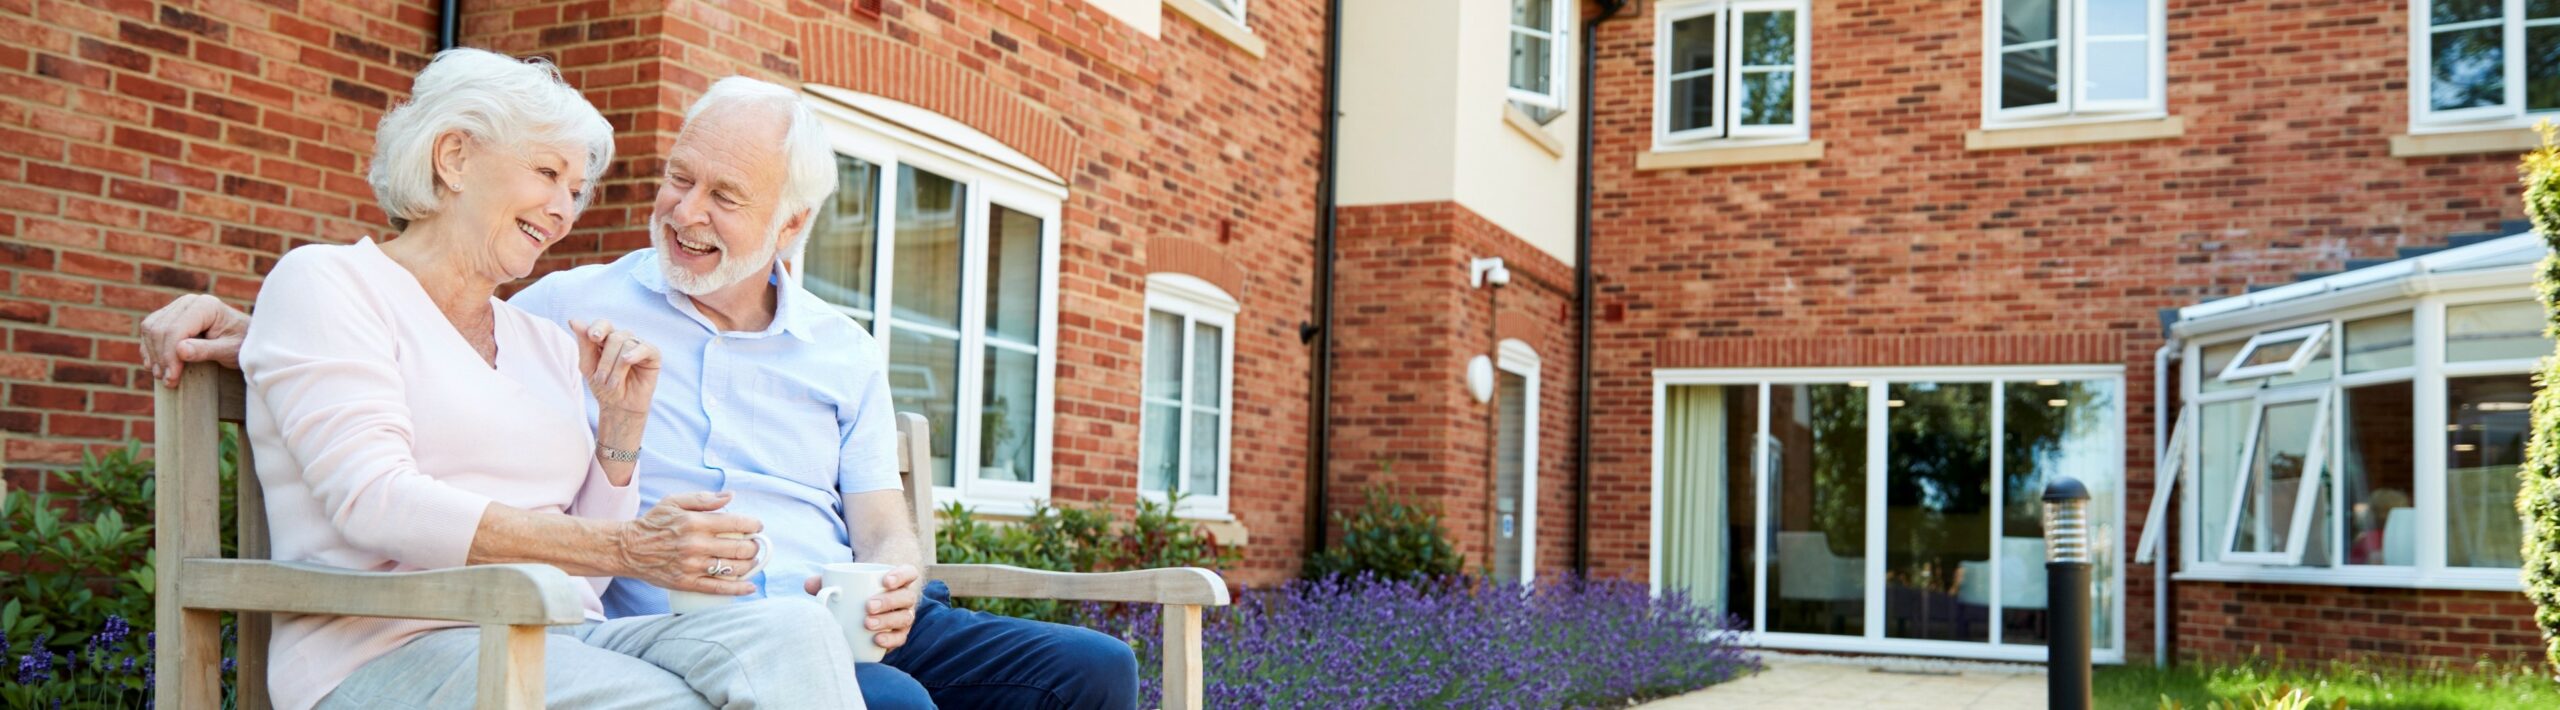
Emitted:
pixel 1368 642
pixel 112 669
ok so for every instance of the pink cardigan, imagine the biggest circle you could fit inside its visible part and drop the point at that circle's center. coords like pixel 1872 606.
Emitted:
pixel 381 437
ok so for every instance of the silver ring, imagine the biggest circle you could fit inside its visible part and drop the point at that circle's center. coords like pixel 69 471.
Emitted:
pixel 720 567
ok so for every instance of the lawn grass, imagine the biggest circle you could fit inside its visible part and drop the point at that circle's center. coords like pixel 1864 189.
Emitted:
pixel 2375 686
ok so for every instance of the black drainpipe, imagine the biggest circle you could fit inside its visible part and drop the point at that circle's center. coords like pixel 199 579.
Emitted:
pixel 1582 295
pixel 1320 332
pixel 448 24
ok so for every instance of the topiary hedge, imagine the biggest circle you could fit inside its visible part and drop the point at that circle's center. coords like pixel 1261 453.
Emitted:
pixel 2538 490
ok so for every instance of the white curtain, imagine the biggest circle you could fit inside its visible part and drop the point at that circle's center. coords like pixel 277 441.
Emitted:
pixel 1694 462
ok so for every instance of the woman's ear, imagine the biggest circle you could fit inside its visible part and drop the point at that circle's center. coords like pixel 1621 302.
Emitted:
pixel 450 150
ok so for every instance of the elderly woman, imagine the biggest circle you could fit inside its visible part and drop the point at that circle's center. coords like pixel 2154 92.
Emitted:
pixel 405 419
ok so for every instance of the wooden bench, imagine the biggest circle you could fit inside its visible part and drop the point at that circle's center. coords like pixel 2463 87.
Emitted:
pixel 511 603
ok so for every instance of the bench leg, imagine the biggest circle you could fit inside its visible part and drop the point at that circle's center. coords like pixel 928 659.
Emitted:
pixel 1182 669
pixel 511 666
pixel 187 661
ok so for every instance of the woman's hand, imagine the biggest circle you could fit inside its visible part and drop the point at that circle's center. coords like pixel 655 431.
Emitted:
pixel 194 328
pixel 677 543
pixel 620 369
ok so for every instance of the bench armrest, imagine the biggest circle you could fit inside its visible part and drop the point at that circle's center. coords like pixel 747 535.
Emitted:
pixel 517 594
pixel 1176 585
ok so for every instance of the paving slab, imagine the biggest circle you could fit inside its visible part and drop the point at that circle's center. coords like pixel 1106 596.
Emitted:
pixel 1868 683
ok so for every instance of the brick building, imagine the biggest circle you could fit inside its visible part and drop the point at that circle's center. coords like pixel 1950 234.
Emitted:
pixel 1865 272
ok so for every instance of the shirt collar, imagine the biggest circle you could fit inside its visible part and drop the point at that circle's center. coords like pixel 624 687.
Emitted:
pixel 792 311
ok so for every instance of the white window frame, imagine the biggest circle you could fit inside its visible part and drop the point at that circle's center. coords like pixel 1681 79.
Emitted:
pixel 1233 8
pixel 946 148
pixel 2312 338
pixel 2427 377
pixel 1518 358
pixel 2509 111
pixel 2073 38
pixel 1727 74
pixel 2314 475
pixel 1196 302
pixel 1877 380
pixel 1559 40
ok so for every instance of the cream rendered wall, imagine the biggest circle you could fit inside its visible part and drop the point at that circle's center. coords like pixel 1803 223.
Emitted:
pixel 1399 63
pixel 1502 174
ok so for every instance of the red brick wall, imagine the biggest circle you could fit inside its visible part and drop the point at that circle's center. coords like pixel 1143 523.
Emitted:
pixel 2317 623
pixel 1406 324
pixel 1899 232
pixel 155 148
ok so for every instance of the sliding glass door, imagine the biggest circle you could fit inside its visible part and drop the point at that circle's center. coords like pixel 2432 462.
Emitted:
pixel 1884 510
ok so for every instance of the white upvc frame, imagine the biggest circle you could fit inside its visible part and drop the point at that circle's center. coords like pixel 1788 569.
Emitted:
pixel 1233 8
pixel 1876 380
pixel 2306 494
pixel 1727 75
pixel 2426 303
pixel 2309 337
pixel 988 183
pixel 2071 40
pixel 2510 110
pixel 1196 302
pixel 1558 36
pixel 1518 358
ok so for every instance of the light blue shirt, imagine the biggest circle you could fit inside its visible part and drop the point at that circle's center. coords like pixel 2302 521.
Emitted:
pixel 791 419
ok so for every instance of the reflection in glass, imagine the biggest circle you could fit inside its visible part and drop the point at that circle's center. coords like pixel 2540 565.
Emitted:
pixel 1511 401
pixel 1693 103
pixel 2486 428
pixel 2378 473
pixel 1818 476
pixel 1005 415
pixel 1530 70
pixel 2118 70
pixel 2222 434
pixel 1937 505
pixel 2380 343
pixel 2028 78
pixel 2277 470
pixel 1013 277
pixel 2117 17
pixel 2211 363
pixel 2506 330
pixel 2048 428
pixel 2445 11
pixel 2023 21
pixel 1012 358
pixel 1160 450
pixel 2542 68
pixel 845 239
pixel 2470 68
pixel 1709 509
pixel 1768 99
pixel 928 250
pixel 1769 39
pixel 924 376
pixel 1208 375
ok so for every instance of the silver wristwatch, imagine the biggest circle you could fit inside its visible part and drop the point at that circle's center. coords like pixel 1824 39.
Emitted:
pixel 613 454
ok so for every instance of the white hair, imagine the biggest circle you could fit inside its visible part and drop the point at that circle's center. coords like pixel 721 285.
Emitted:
pixel 809 161
pixel 491 98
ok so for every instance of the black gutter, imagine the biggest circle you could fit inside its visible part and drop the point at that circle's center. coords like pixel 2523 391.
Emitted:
pixel 1320 393
pixel 1582 294
pixel 448 24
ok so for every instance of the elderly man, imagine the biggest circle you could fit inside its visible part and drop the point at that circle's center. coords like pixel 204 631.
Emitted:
pixel 771 396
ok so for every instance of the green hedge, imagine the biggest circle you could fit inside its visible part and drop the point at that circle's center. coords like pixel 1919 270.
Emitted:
pixel 2538 490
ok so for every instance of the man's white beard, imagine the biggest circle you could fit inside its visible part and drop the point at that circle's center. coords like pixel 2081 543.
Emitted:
pixel 730 271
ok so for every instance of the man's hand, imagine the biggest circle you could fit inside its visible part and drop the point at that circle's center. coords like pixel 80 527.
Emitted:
pixel 194 328
pixel 894 611
pixel 674 545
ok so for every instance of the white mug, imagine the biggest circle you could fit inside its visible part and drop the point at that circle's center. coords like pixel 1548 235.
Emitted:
pixel 683 602
pixel 847 592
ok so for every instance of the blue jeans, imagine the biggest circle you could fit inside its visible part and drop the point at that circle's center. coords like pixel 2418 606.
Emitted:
pixel 959 659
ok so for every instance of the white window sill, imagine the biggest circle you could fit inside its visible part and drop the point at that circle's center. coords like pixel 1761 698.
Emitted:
pixel 2076 133
pixel 1219 23
pixel 1527 127
pixel 1733 153
pixel 2502 139
pixel 2375 577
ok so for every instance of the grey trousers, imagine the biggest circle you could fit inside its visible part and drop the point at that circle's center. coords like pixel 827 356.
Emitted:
pixel 783 654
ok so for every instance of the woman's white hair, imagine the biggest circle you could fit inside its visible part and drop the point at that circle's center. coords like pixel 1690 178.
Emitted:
pixel 498 101
pixel 809 161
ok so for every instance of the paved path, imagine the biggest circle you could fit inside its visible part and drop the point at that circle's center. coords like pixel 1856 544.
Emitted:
pixel 1795 681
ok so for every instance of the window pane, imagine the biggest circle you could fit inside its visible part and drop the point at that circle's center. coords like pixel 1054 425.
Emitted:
pixel 2494 331
pixel 2024 21
pixel 1693 103
pixel 2542 68
pixel 2222 430
pixel 1529 65
pixel 1710 507
pixel 2275 477
pixel 2027 78
pixel 2444 11
pixel 2487 434
pixel 2539 9
pixel 1159 452
pixel 928 250
pixel 1011 392
pixel 1533 13
pixel 2380 343
pixel 2274 352
pixel 2377 472
pixel 1818 502
pixel 1768 99
pixel 846 237
pixel 2118 17
pixel 1937 506
pixel 1510 466
pixel 1693 44
pixel 1769 39
pixel 2048 430
pixel 1204 455
pixel 2470 69
pixel 2211 363
pixel 924 376
pixel 1164 356
pixel 2118 70
pixel 1208 364
pixel 1013 277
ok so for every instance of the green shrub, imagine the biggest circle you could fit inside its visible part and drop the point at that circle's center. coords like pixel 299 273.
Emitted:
pixel 1087 539
pixel 2538 490
pixel 1390 538
pixel 76 558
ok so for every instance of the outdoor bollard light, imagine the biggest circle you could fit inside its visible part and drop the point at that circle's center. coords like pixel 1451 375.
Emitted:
pixel 2066 564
